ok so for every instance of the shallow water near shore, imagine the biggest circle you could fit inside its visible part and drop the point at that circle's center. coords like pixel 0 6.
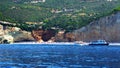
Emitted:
pixel 58 56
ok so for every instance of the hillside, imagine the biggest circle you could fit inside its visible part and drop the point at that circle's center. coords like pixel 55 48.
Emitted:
pixel 66 15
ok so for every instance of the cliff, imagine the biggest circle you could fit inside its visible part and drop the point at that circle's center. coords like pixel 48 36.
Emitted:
pixel 43 35
pixel 106 28
pixel 14 34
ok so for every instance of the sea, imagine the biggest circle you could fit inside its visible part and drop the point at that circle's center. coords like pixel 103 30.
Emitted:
pixel 59 56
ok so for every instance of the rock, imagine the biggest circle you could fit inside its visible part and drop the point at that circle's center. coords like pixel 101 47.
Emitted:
pixel 5 39
pixel 18 34
pixel 48 34
pixel 22 36
pixel 52 40
pixel 43 35
pixel 37 34
pixel 15 29
pixel 1 30
pixel 70 37
pixel 61 36
pixel 106 28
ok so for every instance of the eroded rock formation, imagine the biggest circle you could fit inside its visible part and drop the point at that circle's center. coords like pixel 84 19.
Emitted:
pixel 61 36
pixel 52 36
pixel 5 39
pixel 43 35
pixel 22 36
pixel 14 34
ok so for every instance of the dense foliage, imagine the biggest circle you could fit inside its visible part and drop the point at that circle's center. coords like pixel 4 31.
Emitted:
pixel 117 9
pixel 59 14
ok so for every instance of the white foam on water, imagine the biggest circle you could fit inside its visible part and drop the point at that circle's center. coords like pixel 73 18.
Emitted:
pixel 67 43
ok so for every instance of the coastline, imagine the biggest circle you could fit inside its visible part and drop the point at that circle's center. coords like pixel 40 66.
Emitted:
pixel 64 43
pixel 49 43
pixel 60 43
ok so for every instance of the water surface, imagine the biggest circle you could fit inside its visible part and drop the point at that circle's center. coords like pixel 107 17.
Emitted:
pixel 58 56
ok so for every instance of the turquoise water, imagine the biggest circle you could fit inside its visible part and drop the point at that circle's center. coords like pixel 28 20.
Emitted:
pixel 59 56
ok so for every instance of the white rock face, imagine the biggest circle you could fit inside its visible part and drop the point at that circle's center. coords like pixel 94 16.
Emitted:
pixel 6 39
pixel 14 34
pixel 1 30
pixel 20 36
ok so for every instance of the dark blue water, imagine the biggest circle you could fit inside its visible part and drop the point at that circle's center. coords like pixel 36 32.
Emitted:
pixel 59 56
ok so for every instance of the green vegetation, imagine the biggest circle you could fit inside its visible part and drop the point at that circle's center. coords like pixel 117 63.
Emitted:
pixel 71 15
pixel 117 9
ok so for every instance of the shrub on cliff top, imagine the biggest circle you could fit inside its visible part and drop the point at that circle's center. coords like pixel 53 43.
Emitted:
pixel 117 9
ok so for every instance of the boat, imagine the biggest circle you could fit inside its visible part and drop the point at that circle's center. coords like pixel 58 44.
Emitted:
pixel 99 42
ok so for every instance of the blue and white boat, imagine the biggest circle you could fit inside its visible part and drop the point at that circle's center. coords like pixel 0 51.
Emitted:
pixel 99 42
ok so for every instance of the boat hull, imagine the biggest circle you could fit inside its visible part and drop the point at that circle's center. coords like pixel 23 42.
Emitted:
pixel 99 44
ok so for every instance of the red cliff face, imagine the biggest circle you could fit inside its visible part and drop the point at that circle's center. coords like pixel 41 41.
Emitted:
pixel 51 35
pixel 48 34
pixel 37 34
pixel 43 35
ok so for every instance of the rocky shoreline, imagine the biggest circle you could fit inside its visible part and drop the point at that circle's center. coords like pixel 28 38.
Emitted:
pixel 15 35
pixel 106 28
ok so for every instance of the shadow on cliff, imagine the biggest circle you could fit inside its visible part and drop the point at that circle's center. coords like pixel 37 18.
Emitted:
pixel 43 35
